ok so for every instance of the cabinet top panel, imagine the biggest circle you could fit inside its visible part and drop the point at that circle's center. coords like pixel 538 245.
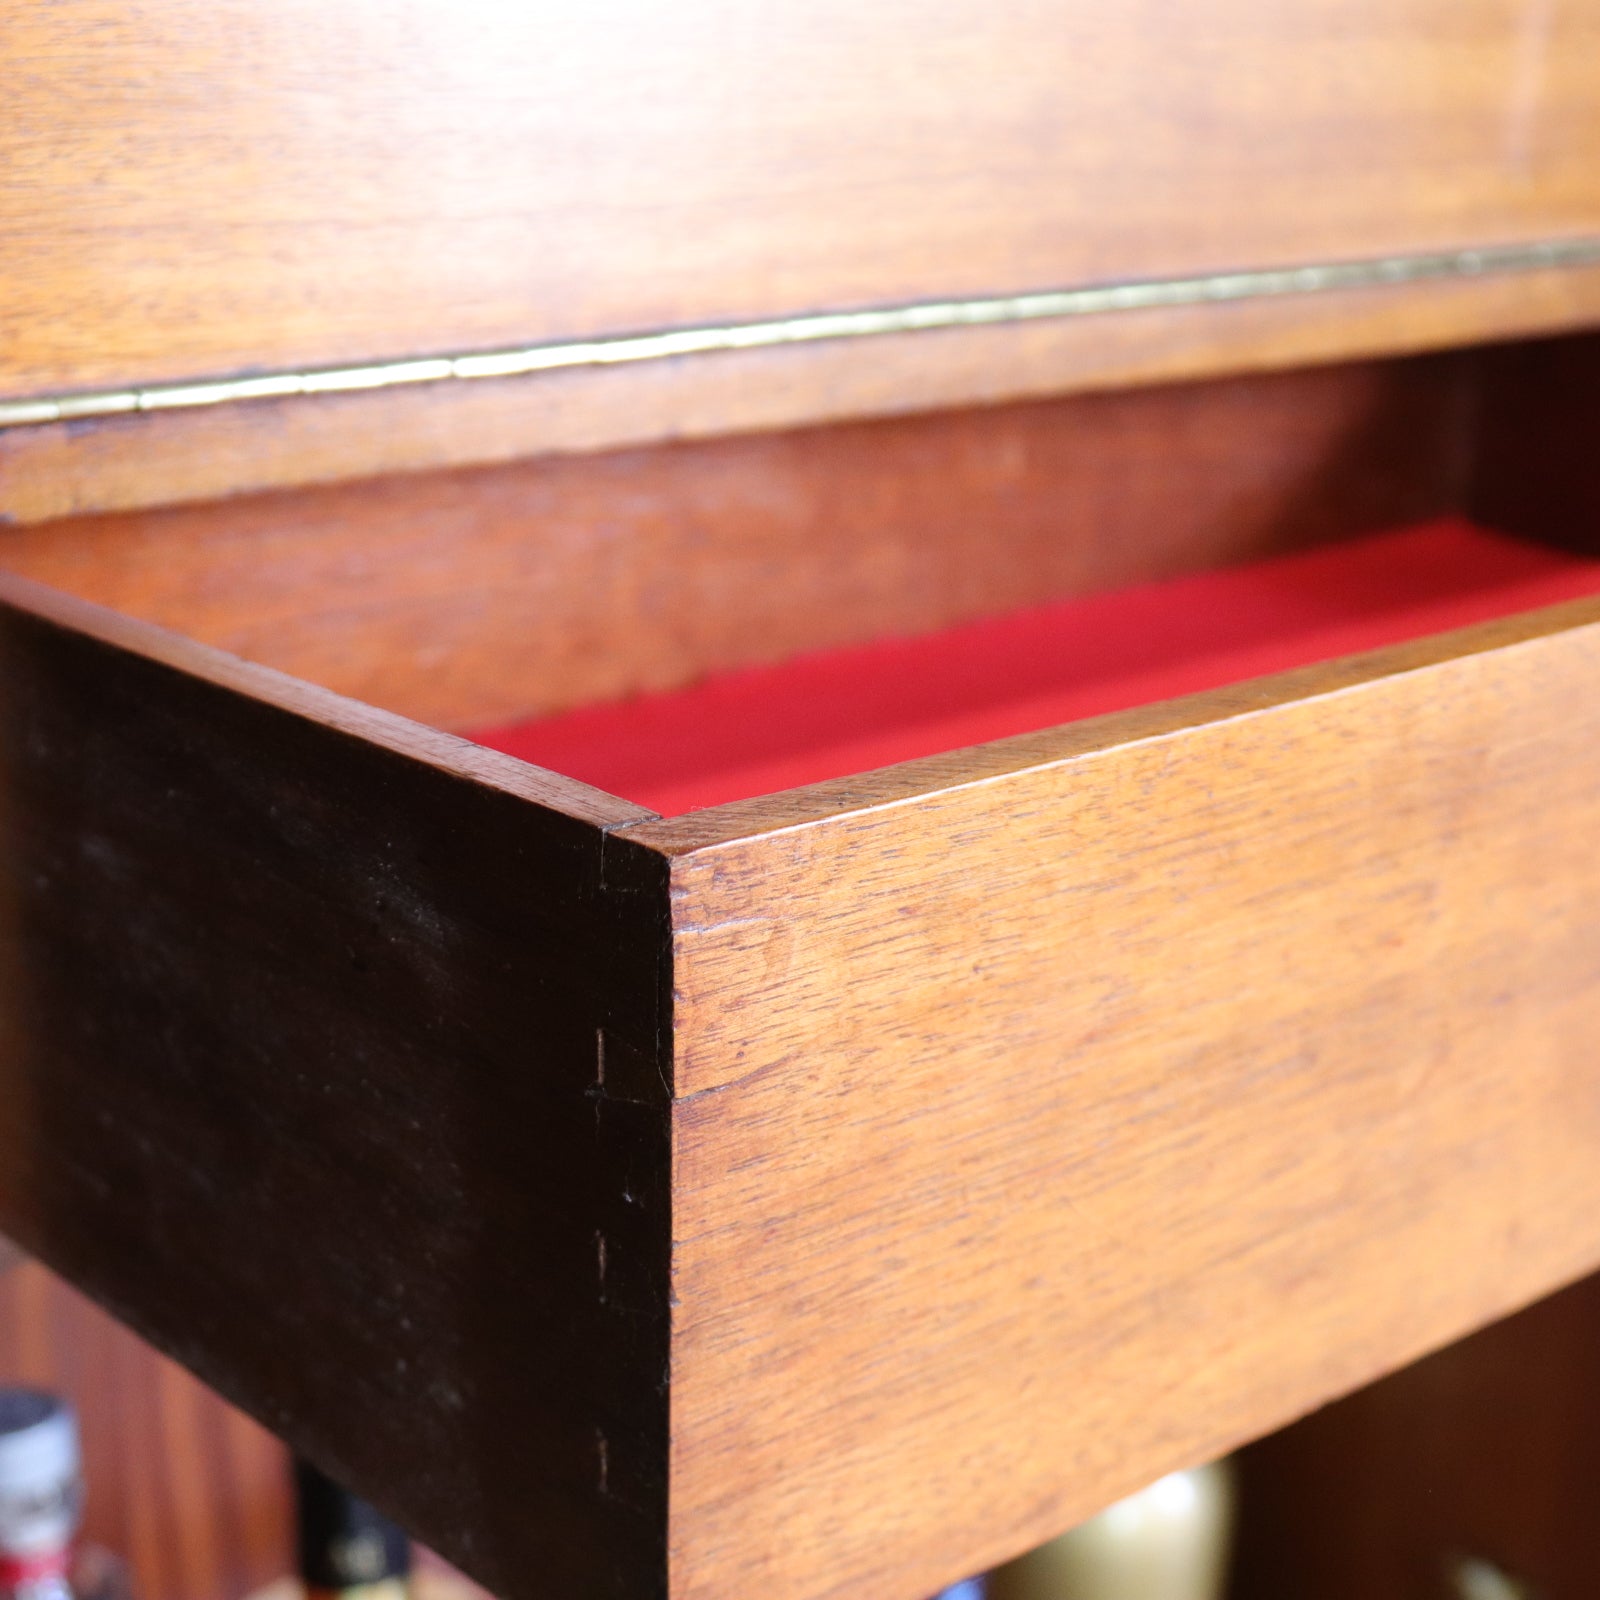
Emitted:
pixel 202 190
pixel 248 247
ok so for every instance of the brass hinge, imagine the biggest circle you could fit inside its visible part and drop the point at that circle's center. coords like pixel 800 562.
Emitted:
pixel 914 317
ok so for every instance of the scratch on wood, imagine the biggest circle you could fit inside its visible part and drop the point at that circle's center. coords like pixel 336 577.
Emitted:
pixel 753 1076
pixel 719 927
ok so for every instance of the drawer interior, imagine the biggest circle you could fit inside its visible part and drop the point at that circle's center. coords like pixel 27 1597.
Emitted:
pixel 831 714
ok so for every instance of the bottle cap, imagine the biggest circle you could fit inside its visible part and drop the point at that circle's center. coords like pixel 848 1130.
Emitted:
pixel 344 1543
pixel 40 1472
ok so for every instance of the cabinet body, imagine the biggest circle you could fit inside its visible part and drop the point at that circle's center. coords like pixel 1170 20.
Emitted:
pixel 838 1189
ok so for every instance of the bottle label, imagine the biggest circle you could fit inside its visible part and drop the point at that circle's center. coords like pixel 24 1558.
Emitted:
pixel 17 1572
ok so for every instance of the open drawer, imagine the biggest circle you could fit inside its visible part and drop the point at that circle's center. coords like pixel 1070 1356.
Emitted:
pixel 835 1190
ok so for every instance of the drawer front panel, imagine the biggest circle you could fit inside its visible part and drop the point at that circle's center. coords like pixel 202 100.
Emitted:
pixel 1043 1134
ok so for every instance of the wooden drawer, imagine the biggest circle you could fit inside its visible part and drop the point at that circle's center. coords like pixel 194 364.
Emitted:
pixel 832 1191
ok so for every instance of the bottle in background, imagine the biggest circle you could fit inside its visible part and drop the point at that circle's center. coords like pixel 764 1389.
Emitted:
pixel 1168 1542
pixel 41 1506
pixel 347 1550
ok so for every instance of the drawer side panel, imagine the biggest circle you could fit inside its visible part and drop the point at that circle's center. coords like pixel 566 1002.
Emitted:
pixel 302 1051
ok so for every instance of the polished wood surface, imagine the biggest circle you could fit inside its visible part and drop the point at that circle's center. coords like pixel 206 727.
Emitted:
pixel 328 1062
pixel 1053 1115
pixel 192 1493
pixel 214 190
pixel 162 457
pixel 472 597
pixel 1490 1449
pixel 211 188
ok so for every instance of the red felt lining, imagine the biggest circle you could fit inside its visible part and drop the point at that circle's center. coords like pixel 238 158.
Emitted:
pixel 843 711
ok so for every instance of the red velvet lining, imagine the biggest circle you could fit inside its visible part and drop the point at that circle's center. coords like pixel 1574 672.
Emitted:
pixel 843 711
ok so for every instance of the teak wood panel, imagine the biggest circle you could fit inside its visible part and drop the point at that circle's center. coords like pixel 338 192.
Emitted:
pixel 1050 1116
pixel 467 598
pixel 209 188
pixel 328 1061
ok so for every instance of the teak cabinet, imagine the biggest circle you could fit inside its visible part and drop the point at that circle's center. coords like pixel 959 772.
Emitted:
pixel 837 1190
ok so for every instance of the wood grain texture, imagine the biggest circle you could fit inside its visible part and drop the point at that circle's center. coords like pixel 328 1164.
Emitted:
pixel 206 188
pixel 190 1491
pixel 1056 1114
pixel 470 597
pixel 328 1062
pixel 159 458
pixel 1490 1448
